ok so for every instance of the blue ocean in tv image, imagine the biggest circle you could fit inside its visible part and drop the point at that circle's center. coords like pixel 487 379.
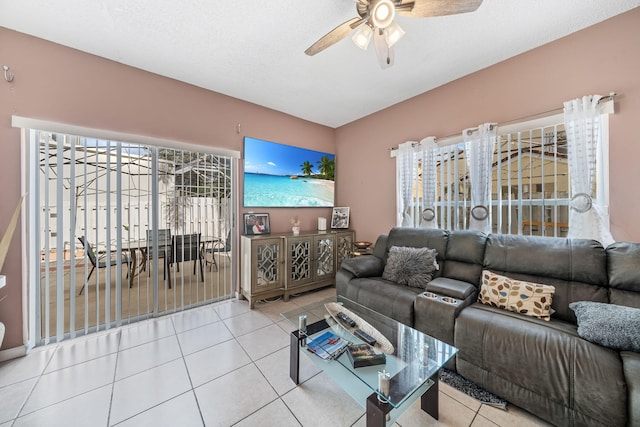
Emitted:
pixel 270 190
pixel 277 175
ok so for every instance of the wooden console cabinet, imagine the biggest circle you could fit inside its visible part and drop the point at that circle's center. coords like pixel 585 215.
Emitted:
pixel 284 264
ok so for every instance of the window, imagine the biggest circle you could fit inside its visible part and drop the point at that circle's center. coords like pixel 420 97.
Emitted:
pixel 530 184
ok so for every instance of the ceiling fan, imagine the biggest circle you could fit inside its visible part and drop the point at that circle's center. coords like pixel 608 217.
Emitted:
pixel 376 20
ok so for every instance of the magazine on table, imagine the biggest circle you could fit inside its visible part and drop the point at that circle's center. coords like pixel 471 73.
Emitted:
pixel 327 345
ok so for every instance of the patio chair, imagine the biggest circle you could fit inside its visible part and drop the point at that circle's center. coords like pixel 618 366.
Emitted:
pixel 186 248
pixel 220 247
pixel 164 247
pixel 96 263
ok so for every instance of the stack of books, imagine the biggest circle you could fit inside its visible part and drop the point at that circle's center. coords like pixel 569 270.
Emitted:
pixel 363 355
pixel 327 345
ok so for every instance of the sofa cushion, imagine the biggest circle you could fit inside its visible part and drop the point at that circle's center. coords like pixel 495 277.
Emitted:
pixel 623 259
pixel 530 299
pixel 575 267
pixel 544 367
pixel 464 257
pixel 609 325
pixel 410 266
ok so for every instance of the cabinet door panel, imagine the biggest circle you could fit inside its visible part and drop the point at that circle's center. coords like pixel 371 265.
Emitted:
pixel 267 261
pixel 325 258
pixel 344 247
pixel 299 261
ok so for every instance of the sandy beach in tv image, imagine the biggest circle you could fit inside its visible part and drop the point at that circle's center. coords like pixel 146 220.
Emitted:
pixel 278 175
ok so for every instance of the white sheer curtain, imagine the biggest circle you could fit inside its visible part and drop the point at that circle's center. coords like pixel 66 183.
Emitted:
pixel 582 120
pixel 428 155
pixel 405 166
pixel 479 146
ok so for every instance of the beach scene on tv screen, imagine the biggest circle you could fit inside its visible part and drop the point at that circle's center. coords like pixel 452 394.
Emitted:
pixel 278 175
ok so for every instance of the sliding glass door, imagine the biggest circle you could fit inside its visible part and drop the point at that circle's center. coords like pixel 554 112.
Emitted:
pixel 121 231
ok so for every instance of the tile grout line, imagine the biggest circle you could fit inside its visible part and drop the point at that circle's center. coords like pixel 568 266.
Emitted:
pixel 39 377
pixel 113 381
pixel 186 368
pixel 278 395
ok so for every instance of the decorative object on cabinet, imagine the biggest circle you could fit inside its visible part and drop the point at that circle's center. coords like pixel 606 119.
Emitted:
pixel 340 217
pixel 295 226
pixel 362 245
pixel 256 223
pixel 362 248
pixel 322 223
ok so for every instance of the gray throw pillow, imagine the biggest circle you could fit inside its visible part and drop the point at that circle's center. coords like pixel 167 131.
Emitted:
pixel 609 325
pixel 410 266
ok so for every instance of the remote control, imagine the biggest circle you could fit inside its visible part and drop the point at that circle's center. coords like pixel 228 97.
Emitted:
pixel 346 319
pixel 365 336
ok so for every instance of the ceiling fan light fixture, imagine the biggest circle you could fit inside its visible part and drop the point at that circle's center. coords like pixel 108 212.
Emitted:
pixel 382 13
pixel 362 36
pixel 394 33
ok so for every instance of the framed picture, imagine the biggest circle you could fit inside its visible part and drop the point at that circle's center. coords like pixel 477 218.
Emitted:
pixel 256 223
pixel 340 218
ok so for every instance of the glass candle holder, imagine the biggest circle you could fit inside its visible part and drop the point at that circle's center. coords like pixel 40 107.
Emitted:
pixel 302 329
pixel 384 378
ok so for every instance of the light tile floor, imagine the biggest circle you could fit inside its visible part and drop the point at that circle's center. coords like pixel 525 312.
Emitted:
pixel 219 365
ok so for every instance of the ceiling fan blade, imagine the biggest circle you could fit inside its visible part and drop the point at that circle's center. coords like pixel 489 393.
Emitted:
pixel 359 22
pixel 426 8
pixel 384 53
pixel 332 37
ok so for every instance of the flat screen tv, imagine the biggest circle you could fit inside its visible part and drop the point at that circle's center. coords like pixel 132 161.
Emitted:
pixel 278 175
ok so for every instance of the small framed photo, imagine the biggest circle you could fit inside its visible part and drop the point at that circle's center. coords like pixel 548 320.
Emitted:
pixel 256 223
pixel 340 218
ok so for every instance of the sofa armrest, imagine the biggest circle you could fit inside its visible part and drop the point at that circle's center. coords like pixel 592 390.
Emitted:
pixel 451 287
pixel 364 266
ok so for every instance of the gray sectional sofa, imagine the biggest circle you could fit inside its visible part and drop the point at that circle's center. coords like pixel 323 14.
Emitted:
pixel 544 367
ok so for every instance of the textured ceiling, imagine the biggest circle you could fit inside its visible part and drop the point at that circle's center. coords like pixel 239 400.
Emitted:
pixel 254 49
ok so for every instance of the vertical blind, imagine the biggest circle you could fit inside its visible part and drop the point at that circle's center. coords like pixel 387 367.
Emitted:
pixel 120 197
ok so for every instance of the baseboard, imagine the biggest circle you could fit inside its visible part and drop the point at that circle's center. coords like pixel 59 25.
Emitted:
pixel 13 353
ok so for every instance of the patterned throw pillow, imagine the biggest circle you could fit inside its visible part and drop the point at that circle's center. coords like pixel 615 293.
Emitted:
pixel 410 266
pixel 530 299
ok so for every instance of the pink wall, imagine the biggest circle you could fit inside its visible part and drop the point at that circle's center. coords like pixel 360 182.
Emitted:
pixel 597 60
pixel 60 84
pixel 56 83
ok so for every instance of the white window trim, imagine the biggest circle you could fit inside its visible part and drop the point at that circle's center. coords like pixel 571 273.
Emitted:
pixel 69 129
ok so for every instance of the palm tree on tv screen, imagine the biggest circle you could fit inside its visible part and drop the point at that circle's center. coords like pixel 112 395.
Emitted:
pixel 306 168
pixel 326 167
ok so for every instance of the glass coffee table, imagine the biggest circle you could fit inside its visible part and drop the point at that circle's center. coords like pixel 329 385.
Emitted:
pixel 412 364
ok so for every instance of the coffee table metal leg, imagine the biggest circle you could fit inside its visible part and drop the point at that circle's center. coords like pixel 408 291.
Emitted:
pixel 376 411
pixel 294 357
pixel 429 400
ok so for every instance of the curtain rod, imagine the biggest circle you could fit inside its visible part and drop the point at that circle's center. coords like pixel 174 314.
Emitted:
pixel 521 119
